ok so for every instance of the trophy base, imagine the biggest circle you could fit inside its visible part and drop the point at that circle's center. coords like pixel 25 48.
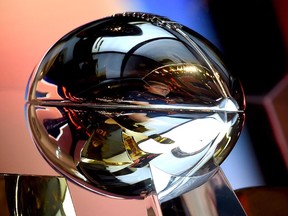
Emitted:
pixel 214 198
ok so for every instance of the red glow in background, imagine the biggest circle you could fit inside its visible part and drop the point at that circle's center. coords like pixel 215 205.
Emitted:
pixel 28 29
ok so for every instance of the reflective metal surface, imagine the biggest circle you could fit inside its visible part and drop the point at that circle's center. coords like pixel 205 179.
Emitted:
pixel 214 198
pixel 34 195
pixel 133 104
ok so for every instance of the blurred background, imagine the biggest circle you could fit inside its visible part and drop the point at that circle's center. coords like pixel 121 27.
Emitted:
pixel 252 35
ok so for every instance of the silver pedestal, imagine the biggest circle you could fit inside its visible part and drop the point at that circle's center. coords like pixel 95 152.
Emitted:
pixel 214 198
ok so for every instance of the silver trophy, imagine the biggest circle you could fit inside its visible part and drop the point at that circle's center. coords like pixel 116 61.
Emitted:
pixel 136 106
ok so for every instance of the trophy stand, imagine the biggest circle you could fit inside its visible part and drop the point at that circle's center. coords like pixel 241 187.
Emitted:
pixel 214 198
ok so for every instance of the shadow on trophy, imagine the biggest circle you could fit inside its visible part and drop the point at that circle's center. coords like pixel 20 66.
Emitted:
pixel 136 106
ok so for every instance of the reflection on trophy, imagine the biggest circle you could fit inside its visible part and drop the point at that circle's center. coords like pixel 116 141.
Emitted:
pixel 136 106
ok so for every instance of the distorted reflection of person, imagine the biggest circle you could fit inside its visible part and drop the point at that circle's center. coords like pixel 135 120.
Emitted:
pixel 154 92
pixel 158 88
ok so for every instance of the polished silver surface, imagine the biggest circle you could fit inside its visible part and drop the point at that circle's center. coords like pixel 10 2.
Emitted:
pixel 216 197
pixel 133 105
pixel 34 195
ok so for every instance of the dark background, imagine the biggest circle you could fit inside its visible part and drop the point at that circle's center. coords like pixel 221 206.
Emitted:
pixel 252 37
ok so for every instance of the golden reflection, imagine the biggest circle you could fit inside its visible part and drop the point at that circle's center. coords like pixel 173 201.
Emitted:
pixel 34 195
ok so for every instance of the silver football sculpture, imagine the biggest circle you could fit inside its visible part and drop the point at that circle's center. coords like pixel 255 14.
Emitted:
pixel 132 104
